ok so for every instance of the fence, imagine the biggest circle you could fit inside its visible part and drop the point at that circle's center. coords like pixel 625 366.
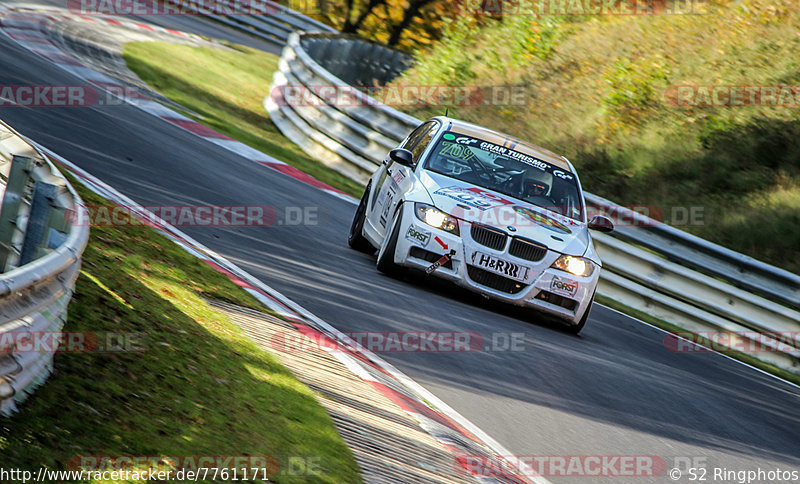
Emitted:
pixel 40 257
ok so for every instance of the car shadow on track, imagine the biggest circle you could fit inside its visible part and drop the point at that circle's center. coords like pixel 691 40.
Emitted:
pixel 444 288
pixel 618 374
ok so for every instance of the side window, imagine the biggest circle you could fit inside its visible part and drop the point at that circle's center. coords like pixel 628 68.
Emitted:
pixel 424 140
pixel 415 135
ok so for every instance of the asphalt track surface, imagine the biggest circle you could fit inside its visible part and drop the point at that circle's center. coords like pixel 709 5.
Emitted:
pixel 615 390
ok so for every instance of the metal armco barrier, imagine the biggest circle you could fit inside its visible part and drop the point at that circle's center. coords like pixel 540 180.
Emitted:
pixel 265 19
pixel 350 137
pixel 40 254
pixel 703 256
pixel 688 281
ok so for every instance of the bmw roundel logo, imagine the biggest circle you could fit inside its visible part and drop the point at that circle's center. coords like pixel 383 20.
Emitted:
pixel 511 228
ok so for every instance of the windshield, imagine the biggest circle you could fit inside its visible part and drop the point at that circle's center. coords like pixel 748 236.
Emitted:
pixel 506 171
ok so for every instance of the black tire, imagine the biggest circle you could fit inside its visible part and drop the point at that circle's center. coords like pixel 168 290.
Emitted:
pixel 578 327
pixel 386 262
pixel 356 239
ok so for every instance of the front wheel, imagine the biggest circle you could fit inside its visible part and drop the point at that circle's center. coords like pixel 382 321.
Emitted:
pixel 356 239
pixel 578 327
pixel 386 262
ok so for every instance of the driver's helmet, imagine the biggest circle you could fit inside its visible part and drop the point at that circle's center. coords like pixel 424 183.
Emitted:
pixel 534 188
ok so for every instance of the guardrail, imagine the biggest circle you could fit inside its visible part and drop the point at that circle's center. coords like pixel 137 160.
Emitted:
pixel 268 20
pixel 701 255
pixel 350 137
pixel 40 256
pixel 689 282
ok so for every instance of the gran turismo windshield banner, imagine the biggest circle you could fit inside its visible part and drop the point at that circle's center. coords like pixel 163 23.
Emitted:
pixel 508 152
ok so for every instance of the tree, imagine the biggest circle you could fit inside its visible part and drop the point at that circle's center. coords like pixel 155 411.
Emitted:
pixel 353 27
pixel 411 12
pixel 405 24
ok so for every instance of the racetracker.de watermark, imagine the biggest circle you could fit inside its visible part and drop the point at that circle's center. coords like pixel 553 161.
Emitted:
pixel 66 96
pixel 195 215
pixel 16 342
pixel 713 96
pixel 121 8
pixel 592 466
pixel 541 8
pixel 47 96
pixel 407 96
pixel 202 467
pixel 399 341
pixel 631 216
pixel 749 342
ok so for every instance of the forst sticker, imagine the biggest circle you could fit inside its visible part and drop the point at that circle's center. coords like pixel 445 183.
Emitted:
pixel 564 286
pixel 421 237
pixel 474 197
pixel 544 220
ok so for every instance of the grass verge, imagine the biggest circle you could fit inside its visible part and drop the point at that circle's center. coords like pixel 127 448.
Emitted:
pixel 226 87
pixel 604 91
pixel 198 386
pixel 700 340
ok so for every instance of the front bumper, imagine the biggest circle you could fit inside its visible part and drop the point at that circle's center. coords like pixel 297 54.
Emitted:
pixel 552 291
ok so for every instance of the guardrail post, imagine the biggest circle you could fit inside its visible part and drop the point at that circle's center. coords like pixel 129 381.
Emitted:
pixel 42 201
pixel 13 198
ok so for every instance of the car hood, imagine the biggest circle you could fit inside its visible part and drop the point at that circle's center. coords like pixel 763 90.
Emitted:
pixel 511 215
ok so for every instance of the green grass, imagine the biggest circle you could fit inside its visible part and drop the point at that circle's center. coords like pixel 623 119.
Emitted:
pixel 597 89
pixel 226 87
pixel 198 387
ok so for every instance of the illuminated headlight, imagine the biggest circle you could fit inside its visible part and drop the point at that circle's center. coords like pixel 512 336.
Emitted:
pixel 577 266
pixel 436 218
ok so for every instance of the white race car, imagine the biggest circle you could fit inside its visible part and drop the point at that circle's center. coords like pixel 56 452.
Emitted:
pixel 490 212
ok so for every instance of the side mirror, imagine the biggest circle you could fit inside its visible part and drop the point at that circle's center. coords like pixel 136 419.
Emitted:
pixel 402 156
pixel 601 224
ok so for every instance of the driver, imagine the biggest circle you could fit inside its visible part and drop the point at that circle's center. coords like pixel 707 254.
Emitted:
pixel 534 188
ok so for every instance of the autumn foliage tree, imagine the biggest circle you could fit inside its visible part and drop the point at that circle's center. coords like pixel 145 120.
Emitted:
pixel 405 24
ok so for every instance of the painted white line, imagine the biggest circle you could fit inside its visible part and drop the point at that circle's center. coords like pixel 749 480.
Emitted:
pixel 426 396
pixel 712 350
pixel 415 388
pixel 157 110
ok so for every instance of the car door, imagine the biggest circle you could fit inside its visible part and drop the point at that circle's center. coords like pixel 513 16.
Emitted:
pixel 396 179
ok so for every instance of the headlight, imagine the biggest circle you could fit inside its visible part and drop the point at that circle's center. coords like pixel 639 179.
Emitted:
pixel 436 218
pixel 577 266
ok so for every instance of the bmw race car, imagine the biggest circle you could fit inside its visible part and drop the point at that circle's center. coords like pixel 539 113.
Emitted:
pixel 489 212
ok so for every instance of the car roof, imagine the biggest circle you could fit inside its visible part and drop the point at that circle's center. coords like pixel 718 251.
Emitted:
pixel 502 139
